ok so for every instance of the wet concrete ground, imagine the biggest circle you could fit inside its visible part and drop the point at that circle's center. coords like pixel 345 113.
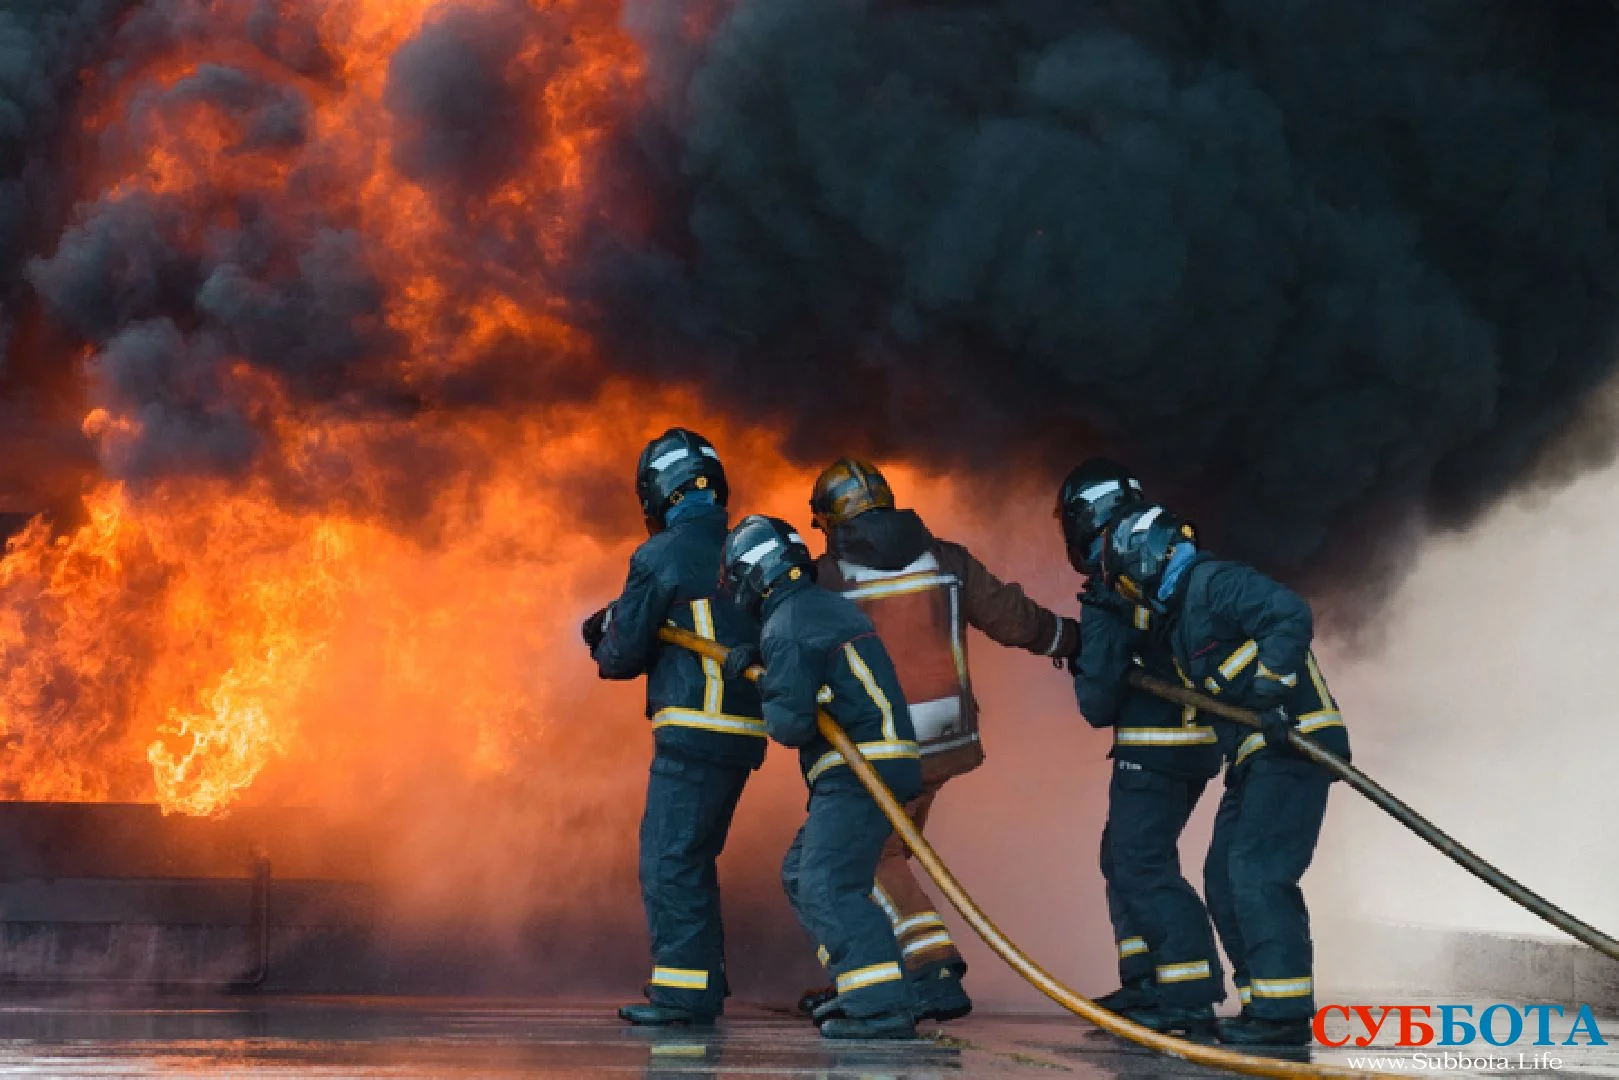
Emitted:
pixel 392 1037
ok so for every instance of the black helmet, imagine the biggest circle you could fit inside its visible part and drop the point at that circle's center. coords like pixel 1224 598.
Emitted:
pixel 1138 549
pixel 760 554
pixel 674 463
pixel 1095 495
pixel 846 489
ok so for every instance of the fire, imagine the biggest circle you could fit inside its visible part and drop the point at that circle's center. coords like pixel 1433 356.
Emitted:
pixel 290 632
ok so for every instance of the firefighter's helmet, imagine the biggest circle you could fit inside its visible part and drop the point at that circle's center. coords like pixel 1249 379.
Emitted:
pixel 761 555
pixel 676 462
pixel 1138 551
pixel 846 489
pixel 1095 495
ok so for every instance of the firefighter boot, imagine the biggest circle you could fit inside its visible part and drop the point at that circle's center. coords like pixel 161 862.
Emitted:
pixel 939 993
pixel 1196 1020
pixel 890 1025
pixel 648 1014
pixel 1138 993
pixel 814 999
pixel 1256 1031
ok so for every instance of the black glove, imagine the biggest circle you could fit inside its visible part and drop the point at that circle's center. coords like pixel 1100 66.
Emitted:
pixel 1277 724
pixel 741 658
pixel 594 629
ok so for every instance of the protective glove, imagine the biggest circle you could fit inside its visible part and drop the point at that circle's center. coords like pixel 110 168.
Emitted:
pixel 740 659
pixel 594 629
pixel 1068 644
pixel 1277 724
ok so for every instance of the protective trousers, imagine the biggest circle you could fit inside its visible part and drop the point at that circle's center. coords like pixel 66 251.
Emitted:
pixel 828 874
pixel 1164 930
pixel 689 805
pixel 1264 837
pixel 924 942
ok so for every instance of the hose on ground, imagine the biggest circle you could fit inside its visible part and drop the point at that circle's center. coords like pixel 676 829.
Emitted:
pixel 1003 946
pixel 1396 808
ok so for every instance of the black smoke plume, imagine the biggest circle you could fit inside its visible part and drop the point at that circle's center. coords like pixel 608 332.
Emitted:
pixel 1316 269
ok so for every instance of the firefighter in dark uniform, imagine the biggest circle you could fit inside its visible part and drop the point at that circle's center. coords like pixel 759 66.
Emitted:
pixel 1163 757
pixel 1234 633
pixel 922 593
pixel 707 731
pixel 821 652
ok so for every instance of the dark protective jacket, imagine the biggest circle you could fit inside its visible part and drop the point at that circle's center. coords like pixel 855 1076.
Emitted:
pixel 922 593
pixel 820 651
pixel 1156 734
pixel 674 581
pixel 1244 638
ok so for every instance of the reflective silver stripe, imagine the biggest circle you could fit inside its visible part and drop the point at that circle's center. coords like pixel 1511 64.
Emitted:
pixel 1141 618
pixel 1246 994
pixel 709 451
pixel 1174 973
pixel 916 922
pixel 1144 522
pixel 680 978
pixel 1251 745
pixel 901 586
pixel 721 722
pixel 1303 986
pixel 1151 736
pixel 869 681
pixel 1290 680
pixel 1132 946
pixel 862 575
pixel 668 458
pixel 872 751
pixel 1056 639
pixel 941 940
pixel 702 618
pixel 936 719
pixel 882 901
pixel 949 744
pixel 1096 491
pixel 759 551
pixel 1241 658
pixel 1317 720
pixel 869 976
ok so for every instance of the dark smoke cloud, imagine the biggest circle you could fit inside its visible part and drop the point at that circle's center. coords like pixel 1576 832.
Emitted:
pixel 1313 267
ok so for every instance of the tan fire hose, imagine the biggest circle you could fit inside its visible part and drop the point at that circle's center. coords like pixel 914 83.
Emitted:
pixel 1398 810
pixel 1186 1050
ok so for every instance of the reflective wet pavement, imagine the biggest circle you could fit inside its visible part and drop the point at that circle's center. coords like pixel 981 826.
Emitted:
pixel 393 1037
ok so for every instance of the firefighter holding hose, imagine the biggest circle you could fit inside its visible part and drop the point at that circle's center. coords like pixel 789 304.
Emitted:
pixel 922 593
pixel 1242 638
pixel 821 652
pixel 1163 757
pixel 707 730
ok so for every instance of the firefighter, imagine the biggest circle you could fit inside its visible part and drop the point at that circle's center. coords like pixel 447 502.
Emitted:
pixel 922 593
pixel 1236 634
pixel 820 651
pixel 707 731
pixel 1163 757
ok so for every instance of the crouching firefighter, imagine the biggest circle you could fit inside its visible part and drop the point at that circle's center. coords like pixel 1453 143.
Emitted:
pixel 1238 635
pixel 1163 757
pixel 922 593
pixel 707 731
pixel 820 651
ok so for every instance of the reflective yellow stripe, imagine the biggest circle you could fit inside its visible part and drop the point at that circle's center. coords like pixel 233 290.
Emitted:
pixel 1141 618
pixel 1290 680
pixel 917 922
pixel 1154 736
pixel 887 905
pixel 1315 721
pixel 1284 988
pixel 1320 683
pixel 1132 946
pixel 872 751
pixel 869 976
pixel 1251 745
pixel 721 722
pixel 940 940
pixel 702 617
pixel 1240 659
pixel 880 699
pixel 822 955
pixel 1245 994
pixel 957 652
pixel 824 695
pixel 680 978
pixel 900 586
pixel 1174 973
pixel 1211 684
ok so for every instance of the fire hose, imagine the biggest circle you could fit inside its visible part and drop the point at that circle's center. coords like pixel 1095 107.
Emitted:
pixel 1186 1050
pixel 1385 800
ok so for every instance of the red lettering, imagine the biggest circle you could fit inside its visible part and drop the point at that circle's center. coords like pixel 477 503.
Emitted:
pixel 1319 1025
pixel 1365 1014
pixel 1407 1024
